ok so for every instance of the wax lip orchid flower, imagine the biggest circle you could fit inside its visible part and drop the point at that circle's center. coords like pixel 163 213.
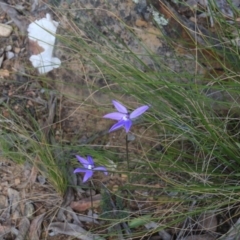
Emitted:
pixel 123 117
pixel 88 167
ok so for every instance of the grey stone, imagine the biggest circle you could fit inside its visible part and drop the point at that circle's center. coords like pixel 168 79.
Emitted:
pixel 5 30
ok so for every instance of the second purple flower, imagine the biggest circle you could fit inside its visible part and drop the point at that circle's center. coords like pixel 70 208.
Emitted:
pixel 88 167
pixel 123 117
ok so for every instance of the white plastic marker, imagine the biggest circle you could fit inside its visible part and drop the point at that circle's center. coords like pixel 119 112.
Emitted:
pixel 41 34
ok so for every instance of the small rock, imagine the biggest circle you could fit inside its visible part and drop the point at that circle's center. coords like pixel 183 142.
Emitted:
pixel 5 30
pixel 1 60
pixel 8 48
pixel 27 172
pixel 193 19
pixel 17 181
pixel 9 55
pixel 17 50
pixel 29 210
pixel 141 23
pixel 41 179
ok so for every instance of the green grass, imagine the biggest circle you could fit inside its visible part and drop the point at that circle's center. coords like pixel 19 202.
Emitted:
pixel 194 118
pixel 23 140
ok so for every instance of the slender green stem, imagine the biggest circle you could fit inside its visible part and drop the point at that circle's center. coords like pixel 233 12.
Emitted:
pixel 127 151
pixel 91 202
pixel 128 165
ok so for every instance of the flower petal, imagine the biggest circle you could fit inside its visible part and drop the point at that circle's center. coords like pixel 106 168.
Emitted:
pixel 90 160
pixel 115 115
pixel 127 125
pixel 121 108
pixel 80 170
pixel 102 169
pixel 139 111
pixel 87 175
pixel 83 161
pixel 117 125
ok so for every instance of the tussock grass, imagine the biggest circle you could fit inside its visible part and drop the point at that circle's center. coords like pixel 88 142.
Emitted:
pixel 23 140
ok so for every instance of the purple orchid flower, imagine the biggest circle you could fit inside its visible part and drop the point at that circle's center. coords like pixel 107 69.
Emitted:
pixel 89 167
pixel 123 117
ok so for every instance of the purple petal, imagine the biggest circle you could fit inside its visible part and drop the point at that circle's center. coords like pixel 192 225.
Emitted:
pixel 117 125
pixel 102 169
pixel 115 115
pixel 79 170
pixel 87 175
pixel 139 111
pixel 90 160
pixel 127 125
pixel 119 107
pixel 83 161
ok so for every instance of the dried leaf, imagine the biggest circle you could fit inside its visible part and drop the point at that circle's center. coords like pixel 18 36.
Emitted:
pixel 89 218
pixel 233 233
pixel 72 230
pixel 14 198
pixel 86 203
pixel 33 175
pixel 35 4
pixel 163 234
pixel 23 229
pixel 4 229
pixel 35 227
pixel 74 216
pixel 208 222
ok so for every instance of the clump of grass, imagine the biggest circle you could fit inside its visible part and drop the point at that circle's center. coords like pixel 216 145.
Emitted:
pixel 22 140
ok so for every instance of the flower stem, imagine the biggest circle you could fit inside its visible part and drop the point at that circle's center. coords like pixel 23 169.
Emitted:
pixel 128 164
pixel 91 201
